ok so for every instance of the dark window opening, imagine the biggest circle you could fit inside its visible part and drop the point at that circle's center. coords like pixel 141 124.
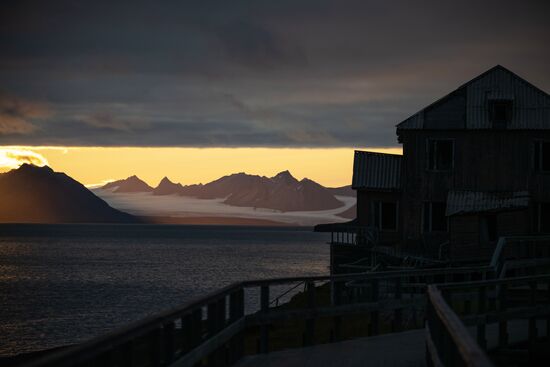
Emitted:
pixel 541 157
pixel 384 215
pixel 435 219
pixel 440 155
pixel 500 113
pixel 492 227
pixel 542 217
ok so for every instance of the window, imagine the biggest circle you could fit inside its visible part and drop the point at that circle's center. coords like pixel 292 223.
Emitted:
pixel 440 155
pixel 384 215
pixel 542 217
pixel 491 221
pixel 541 156
pixel 434 217
pixel 500 113
pixel 488 228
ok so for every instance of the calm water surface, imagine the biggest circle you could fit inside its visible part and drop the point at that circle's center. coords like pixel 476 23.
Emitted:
pixel 62 284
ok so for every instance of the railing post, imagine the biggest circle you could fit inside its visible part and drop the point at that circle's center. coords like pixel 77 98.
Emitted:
pixel 128 354
pixel 310 320
pixel 264 328
pixel 533 320
pixel 467 302
pixel 236 312
pixel 374 314
pixel 503 324
pixel 155 345
pixel 548 316
pixel 398 315
pixel 482 294
pixel 169 337
pixel 191 325
pixel 336 301
pixel 214 325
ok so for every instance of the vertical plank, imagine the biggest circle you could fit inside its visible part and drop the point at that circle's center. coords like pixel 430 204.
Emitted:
pixel 155 346
pixel 398 315
pixel 481 339
pixel 187 333
pixel 264 329
pixel 127 354
pixel 236 312
pixel 533 320
pixel 310 321
pixel 374 316
pixel 548 317
pixel 169 342
pixel 503 325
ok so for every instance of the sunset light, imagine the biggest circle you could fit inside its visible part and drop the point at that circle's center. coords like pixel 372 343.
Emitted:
pixel 11 158
pixel 95 166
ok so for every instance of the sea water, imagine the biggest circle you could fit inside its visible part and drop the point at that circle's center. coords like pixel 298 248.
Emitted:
pixel 63 284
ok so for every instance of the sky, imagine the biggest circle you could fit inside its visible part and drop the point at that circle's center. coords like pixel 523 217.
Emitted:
pixel 301 76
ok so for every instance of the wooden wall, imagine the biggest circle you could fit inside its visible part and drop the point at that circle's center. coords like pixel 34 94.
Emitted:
pixel 484 160
pixel 365 198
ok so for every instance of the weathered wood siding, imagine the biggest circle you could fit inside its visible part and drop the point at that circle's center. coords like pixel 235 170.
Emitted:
pixel 484 160
pixel 366 198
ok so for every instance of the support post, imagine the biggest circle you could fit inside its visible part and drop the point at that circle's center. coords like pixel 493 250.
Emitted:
pixel 374 323
pixel 264 328
pixel 482 294
pixel 503 325
pixel 310 321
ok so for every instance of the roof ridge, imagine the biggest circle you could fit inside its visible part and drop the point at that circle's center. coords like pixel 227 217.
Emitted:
pixel 464 85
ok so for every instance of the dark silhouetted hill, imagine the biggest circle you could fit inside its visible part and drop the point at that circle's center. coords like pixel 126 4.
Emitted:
pixel 40 195
pixel 130 184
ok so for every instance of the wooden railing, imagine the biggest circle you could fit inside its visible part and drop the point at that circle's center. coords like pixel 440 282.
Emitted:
pixel 354 235
pixel 515 248
pixel 453 308
pixel 213 329
pixel 242 318
pixel 448 341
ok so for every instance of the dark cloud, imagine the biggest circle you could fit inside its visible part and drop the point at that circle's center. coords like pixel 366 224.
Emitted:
pixel 254 73
pixel 17 115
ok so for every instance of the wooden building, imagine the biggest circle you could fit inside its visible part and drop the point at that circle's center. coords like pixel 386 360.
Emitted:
pixel 475 166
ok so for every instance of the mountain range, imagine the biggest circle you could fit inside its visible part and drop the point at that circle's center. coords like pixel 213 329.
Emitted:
pixel 40 195
pixel 281 192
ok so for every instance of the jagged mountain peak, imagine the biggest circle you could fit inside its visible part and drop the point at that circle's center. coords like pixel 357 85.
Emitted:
pixel 165 180
pixel 27 167
pixel 284 176
pixel 130 184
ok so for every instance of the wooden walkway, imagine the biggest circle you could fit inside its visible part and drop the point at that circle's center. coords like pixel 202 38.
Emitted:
pixel 398 349
pixel 405 349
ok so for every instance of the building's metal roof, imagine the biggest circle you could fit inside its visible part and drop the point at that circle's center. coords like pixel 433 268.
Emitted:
pixel 465 202
pixel 376 171
pixel 531 105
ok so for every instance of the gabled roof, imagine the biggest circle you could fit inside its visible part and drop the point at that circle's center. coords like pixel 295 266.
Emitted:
pixel 465 202
pixel 467 106
pixel 376 171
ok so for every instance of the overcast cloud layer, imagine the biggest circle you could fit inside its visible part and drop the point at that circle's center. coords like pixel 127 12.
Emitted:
pixel 248 73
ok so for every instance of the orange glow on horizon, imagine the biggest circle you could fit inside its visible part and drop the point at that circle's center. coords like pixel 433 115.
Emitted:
pixel 97 165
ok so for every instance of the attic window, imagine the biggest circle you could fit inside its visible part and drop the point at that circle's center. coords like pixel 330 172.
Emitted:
pixel 500 112
pixel 440 155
